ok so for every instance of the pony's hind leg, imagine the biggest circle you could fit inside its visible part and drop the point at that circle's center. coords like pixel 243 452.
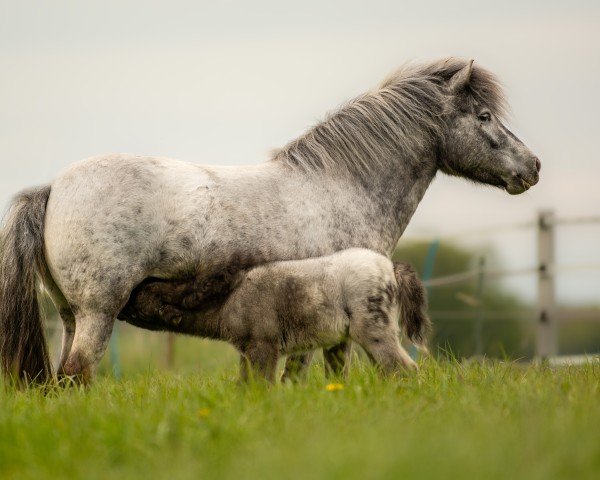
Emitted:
pixel 66 315
pixel 68 320
pixel 92 334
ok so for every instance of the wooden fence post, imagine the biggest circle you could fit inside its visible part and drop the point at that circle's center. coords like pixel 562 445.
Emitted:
pixel 478 326
pixel 546 338
pixel 170 350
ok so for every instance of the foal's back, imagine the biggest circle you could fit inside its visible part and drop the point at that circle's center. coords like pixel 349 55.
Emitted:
pixel 308 303
pixel 291 306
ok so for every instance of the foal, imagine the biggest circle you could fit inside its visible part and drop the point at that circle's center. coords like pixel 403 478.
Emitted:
pixel 294 306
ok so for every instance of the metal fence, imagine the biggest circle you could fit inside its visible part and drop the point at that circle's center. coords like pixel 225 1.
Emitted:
pixel 547 314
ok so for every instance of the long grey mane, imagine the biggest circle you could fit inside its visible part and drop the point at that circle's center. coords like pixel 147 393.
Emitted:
pixel 402 117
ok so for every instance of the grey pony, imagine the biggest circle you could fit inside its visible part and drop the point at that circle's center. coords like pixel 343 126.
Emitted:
pixel 109 223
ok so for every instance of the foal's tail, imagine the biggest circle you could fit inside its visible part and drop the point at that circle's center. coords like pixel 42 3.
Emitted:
pixel 413 304
pixel 23 351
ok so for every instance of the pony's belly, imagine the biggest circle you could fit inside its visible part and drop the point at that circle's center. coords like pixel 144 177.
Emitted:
pixel 197 324
pixel 189 306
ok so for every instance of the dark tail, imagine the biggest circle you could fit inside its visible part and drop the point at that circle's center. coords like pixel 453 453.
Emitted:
pixel 23 351
pixel 413 304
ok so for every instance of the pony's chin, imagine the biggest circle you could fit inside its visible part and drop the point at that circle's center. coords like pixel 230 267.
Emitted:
pixel 515 185
pixel 516 189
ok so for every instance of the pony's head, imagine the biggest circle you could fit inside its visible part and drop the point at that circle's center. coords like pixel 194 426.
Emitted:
pixel 476 144
pixel 449 110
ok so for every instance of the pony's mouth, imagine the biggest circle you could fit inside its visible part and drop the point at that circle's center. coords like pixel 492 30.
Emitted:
pixel 517 184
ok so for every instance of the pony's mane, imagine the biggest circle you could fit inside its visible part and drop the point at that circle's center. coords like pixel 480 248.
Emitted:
pixel 402 115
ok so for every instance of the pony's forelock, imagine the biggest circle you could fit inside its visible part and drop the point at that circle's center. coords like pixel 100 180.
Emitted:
pixel 483 85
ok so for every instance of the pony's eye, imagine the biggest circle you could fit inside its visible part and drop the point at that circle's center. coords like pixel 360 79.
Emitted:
pixel 484 117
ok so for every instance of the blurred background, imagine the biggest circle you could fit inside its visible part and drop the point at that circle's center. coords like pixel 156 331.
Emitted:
pixel 224 82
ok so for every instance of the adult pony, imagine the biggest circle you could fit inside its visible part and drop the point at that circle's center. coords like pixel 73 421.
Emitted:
pixel 109 223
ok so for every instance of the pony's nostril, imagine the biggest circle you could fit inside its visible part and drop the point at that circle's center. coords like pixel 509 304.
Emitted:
pixel 538 164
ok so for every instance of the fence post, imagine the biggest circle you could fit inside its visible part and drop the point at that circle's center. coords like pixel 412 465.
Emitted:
pixel 170 350
pixel 546 338
pixel 430 260
pixel 478 327
pixel 427 274
pixel 115 360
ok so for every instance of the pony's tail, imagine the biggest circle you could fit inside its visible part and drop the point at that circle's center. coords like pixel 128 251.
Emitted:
pixel 23 351
pixel 413 305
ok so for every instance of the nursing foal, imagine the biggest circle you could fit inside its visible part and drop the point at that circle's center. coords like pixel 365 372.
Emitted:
pixel 294 306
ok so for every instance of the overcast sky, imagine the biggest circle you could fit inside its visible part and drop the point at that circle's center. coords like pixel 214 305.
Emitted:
pixel 224 82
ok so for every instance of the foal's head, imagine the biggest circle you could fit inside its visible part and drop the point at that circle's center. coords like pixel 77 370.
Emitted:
pixel 476 144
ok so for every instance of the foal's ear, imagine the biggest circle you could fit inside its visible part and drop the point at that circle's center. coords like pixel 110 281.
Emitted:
pixel 460 80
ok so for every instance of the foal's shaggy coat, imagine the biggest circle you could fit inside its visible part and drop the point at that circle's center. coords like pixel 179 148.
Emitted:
pixel 294 306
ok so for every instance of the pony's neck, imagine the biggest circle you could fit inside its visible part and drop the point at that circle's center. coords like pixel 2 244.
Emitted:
pixel 385 142
pixel 393 192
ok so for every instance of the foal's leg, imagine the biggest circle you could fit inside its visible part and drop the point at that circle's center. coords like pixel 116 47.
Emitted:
pixel 92 334
pixel 388 354
pixel 379 336
pixel 296 366
pixel 337 359
pixel 262 357
pixel 244 367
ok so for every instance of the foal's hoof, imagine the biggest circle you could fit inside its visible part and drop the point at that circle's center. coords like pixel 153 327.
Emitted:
pixel 411 366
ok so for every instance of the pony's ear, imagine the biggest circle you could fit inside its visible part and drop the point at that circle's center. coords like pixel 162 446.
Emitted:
pixel 460 80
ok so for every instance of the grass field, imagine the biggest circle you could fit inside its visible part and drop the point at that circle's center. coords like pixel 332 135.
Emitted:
pixel 451 420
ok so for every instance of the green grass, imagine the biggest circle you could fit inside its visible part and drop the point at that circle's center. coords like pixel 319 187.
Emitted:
pixel 451 420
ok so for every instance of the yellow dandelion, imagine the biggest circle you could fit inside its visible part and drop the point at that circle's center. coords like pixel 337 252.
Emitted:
pixel 203 412
pixel 334 387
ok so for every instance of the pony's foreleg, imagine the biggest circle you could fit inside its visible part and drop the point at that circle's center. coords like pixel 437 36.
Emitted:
pixel 296 366
pixel 92 334
pixel 337 359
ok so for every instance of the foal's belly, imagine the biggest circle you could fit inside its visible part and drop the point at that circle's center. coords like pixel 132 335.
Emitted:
pixel 317 328
pixel 318 340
